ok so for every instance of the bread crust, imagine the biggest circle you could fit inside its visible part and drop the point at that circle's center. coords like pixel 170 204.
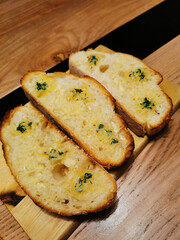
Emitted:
pixel 132 123
pixel 157 128
pixel 106 205
pixel 70 134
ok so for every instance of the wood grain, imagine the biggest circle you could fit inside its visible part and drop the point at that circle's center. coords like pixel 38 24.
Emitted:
pixel 166 60
pixel 39 224
pixel 33 33
pixel 148 205
pixel 42 225
pixel 9 227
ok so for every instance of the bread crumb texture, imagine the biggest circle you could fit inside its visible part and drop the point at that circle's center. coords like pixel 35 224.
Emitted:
pixel 86 111
pixel 54 171
pixel 133 84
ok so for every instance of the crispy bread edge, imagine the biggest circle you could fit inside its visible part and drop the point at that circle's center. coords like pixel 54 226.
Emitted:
pixel 138 128
pixel 100 208
pixel 67 131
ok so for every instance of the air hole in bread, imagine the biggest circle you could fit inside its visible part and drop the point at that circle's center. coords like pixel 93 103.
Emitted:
pixel 59 171
pixel 121 73
pixel 103 68
pixel 65 201
pixel 100 148
pixel 44 125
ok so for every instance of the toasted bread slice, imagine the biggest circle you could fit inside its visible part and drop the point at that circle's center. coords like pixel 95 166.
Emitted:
pixel 139 100
pixel 55 172
pixel 85 111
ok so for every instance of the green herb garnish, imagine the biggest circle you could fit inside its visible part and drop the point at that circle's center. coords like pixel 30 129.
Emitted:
pixel 81 181
pixel 76 90
pixel 54 153
pixel 41 86
pixel 147 104
pixel 141 74
pixel 29 124
pixel 22 127
pixel 114 141
pixel 131 74
pixel 138 73
pixel 100 126
pixel 92 59
pixel 87 176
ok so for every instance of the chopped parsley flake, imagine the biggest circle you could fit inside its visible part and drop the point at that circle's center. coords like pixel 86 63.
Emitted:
pixel 54 153
pixel 131 74
pixel 114 141
pixel 41 86
pixel 29 124
pixel 76 90
pixel 22 127
pixel 92 59
pixel 138 73
pixel 81 181
pixel 100 126
pixel 147 104
pixel 108 132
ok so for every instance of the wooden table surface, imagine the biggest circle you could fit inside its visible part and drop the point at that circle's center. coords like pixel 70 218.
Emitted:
pixel 33 33
pixel 148 205
pixel 40 34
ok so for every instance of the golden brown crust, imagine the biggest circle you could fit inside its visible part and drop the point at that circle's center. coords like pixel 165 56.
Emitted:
pixel 68 132
pixel 5 121
pixel 132 123
pixel 65 213
pixel 156 128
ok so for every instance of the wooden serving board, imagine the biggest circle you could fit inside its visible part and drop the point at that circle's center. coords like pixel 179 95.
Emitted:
pixel 40 224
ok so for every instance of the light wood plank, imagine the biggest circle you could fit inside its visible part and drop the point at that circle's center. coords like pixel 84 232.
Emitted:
pixel 40 224
pixel 33 32
pixel 9 227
